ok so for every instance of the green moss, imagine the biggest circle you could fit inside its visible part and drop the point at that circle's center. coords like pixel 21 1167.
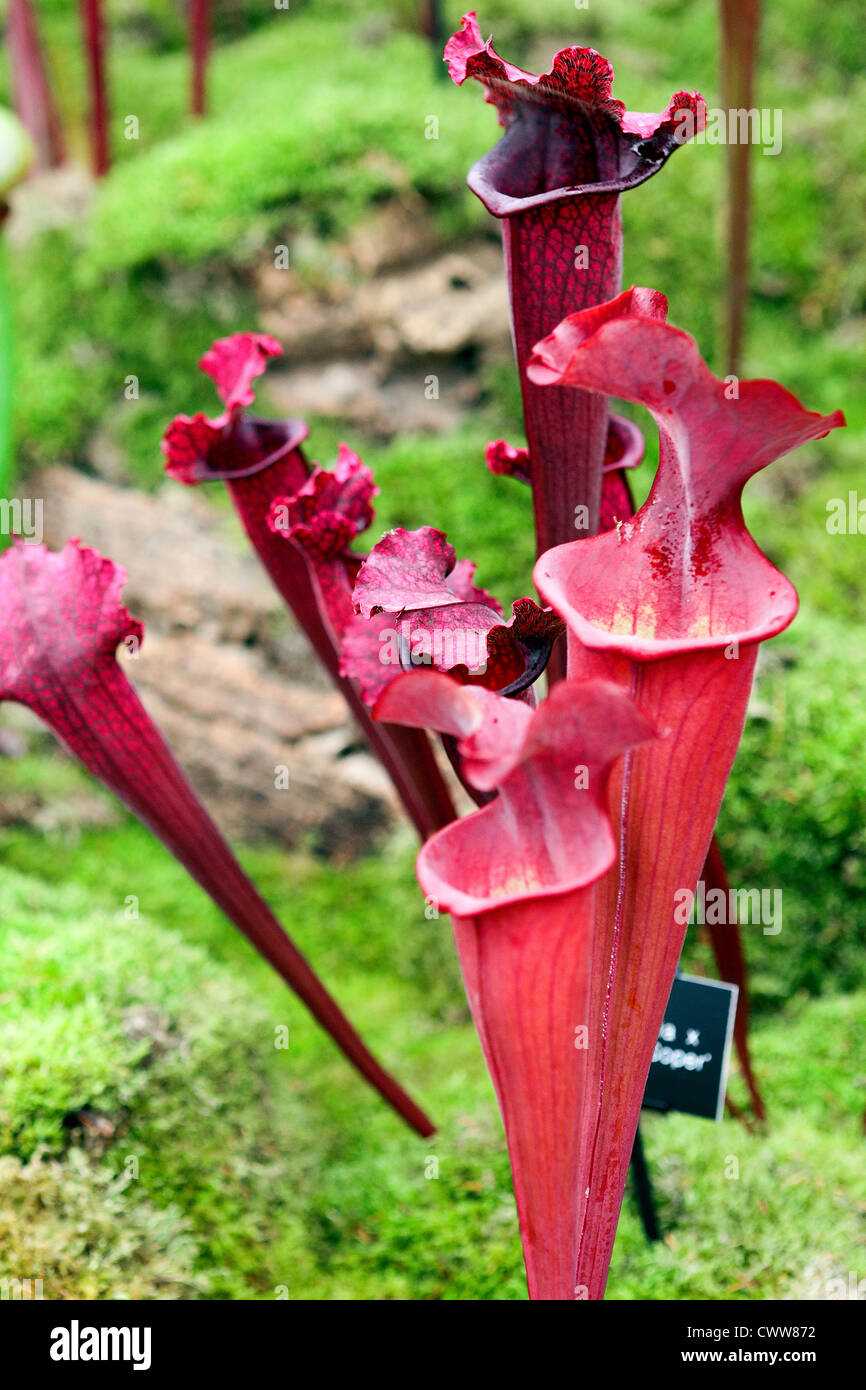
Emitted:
pixel 69 1038
pixel 78 1229
pixel 239 1169
pixel 313 162
pixel 794 814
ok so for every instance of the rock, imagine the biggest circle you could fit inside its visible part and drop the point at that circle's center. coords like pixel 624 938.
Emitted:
pixel 383 360
pixel 348 390
pixel 58 197
pixel 399 233
pixel 106 457
pixel 266 754
pixel 12 744
pixel 182 570
pixel 312 329
pixel 144 1023
pixel 455 304
pixel 433 400
pixel 68 815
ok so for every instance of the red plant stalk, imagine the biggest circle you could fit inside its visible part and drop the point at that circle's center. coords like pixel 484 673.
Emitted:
pixel 508 958
pixel 671 605
pixel 94 46
pixel 664 838
pixel 554 180
pixel 740 22
pixel 199 13
pixel 33 97
pixel 624 449
pixel 520 878
pixel 261 461
pixel 62 623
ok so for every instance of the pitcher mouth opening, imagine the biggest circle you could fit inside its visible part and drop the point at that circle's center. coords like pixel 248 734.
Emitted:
pixel 631 159
pixel 629 623
pixel 264 442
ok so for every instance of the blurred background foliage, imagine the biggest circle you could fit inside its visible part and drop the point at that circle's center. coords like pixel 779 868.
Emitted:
pixel 261 1169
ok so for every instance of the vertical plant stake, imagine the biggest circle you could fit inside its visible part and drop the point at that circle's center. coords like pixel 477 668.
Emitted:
pixel 16 156
pixel 94 46
pixel 199 23
pixel 34 99
pixel 739 25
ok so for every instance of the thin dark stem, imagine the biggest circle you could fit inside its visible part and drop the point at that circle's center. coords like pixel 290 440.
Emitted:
pixel 643 1190
pixel 727 943
pixel 200 45
pixel 32 94
pixel 433 27
pixel 94 44
pixel 740 20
